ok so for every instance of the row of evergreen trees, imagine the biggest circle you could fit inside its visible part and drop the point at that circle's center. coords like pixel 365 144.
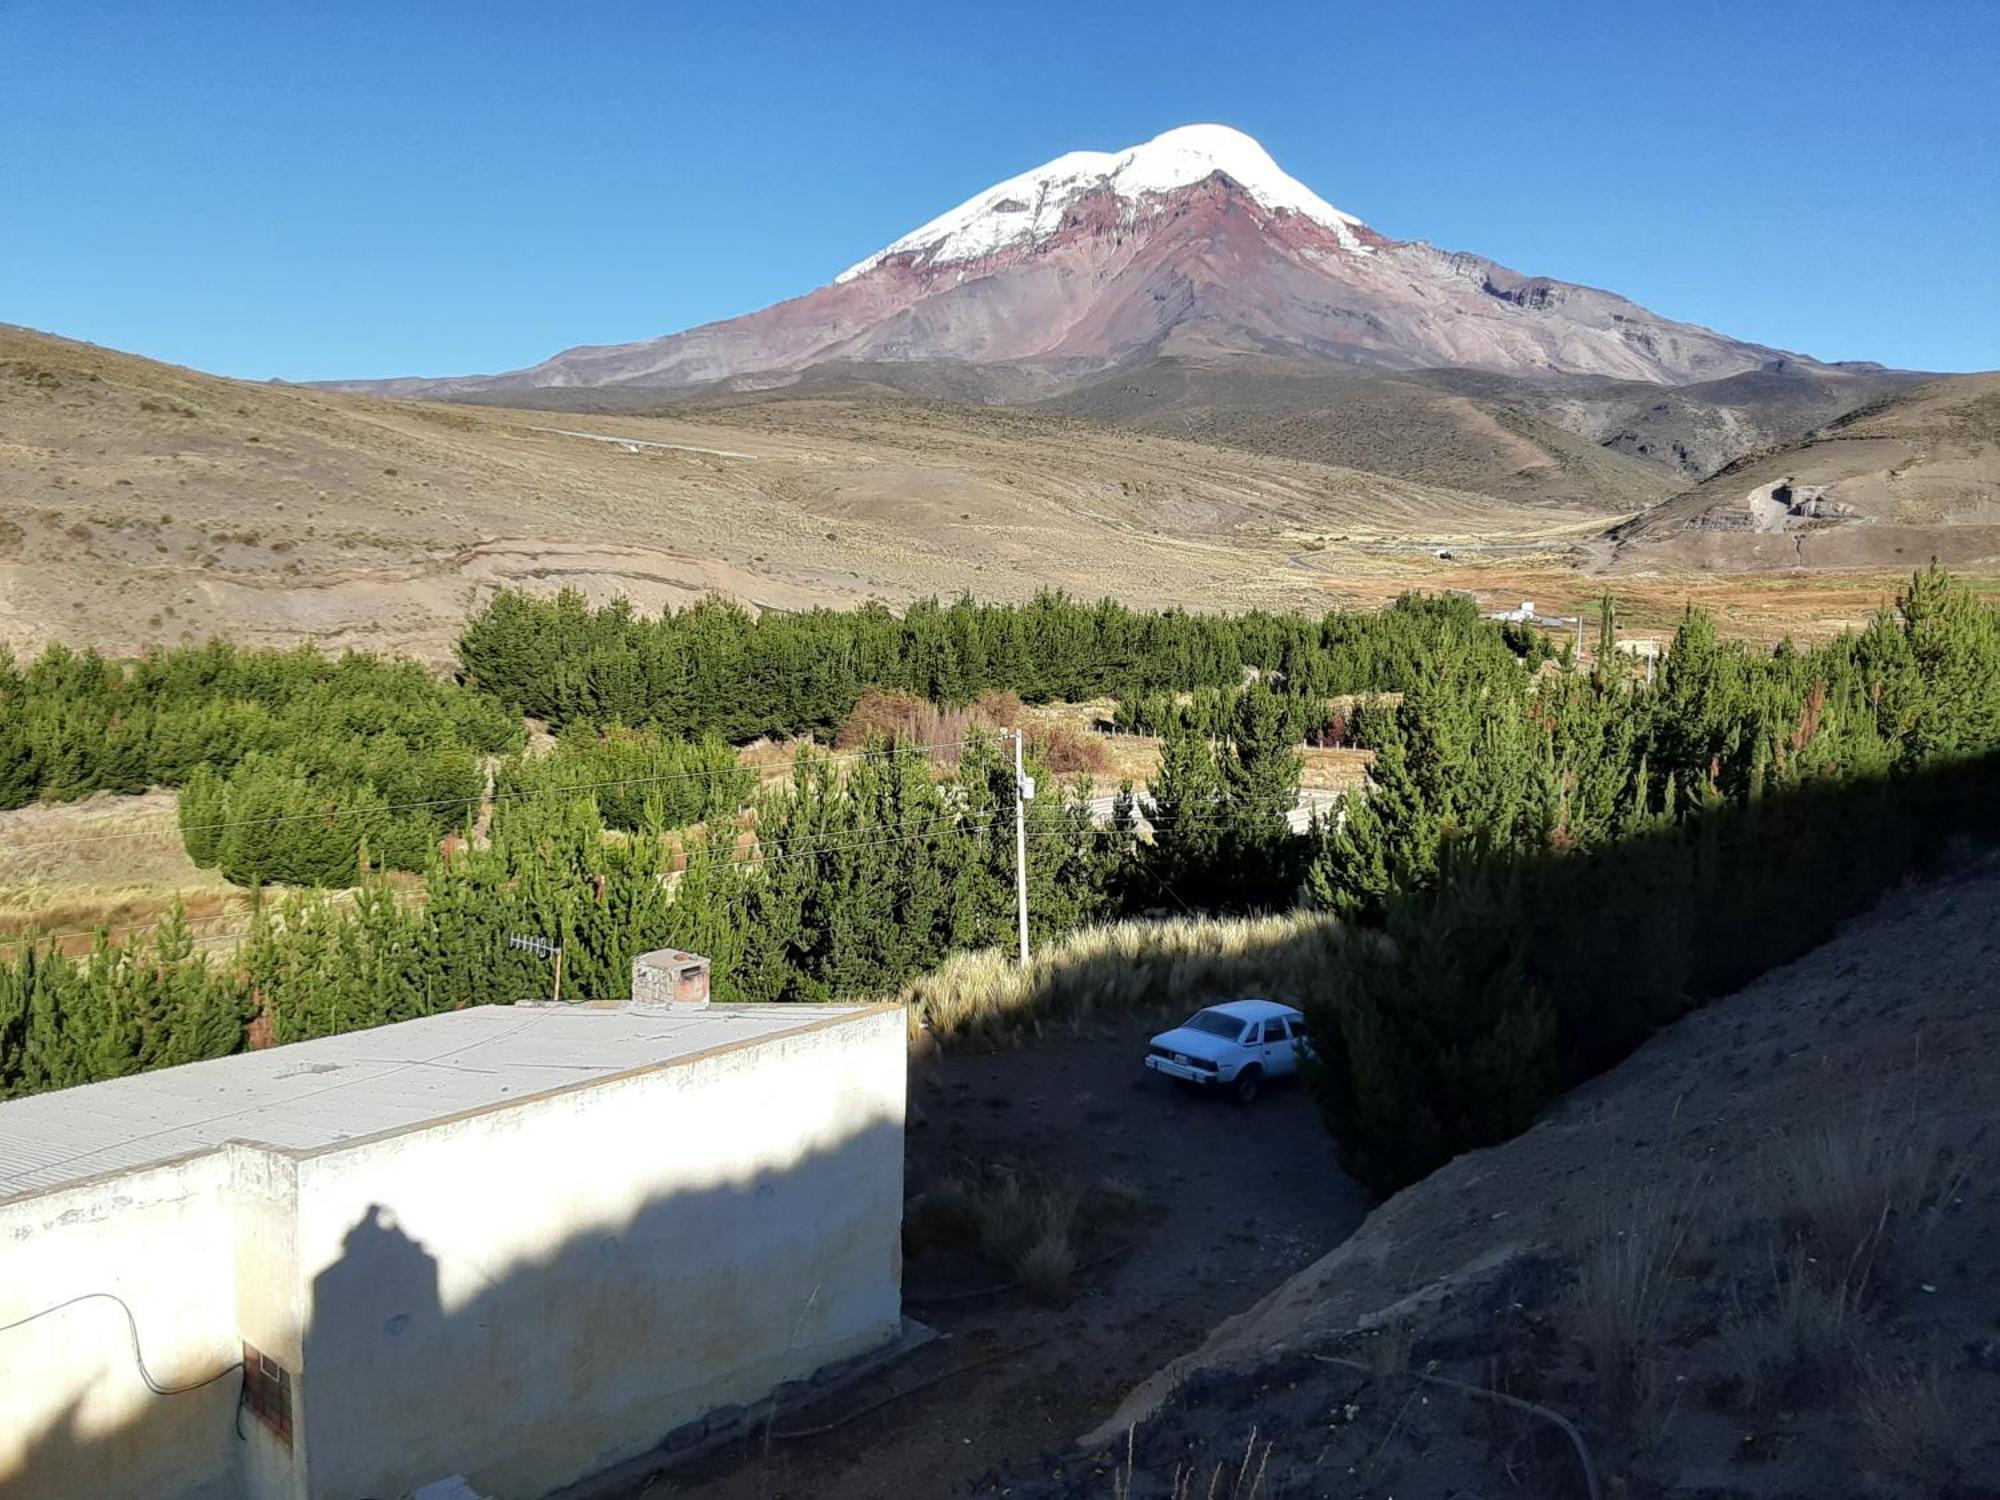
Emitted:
pixel 1565 862
pixel 1561 860
pixel 72 723
pixel 713 668
pixel 290 762
pixel 298 768
pixel 859 876
pixel 641 779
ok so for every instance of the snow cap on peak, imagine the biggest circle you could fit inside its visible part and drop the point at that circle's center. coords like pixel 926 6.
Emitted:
pixel 1031 205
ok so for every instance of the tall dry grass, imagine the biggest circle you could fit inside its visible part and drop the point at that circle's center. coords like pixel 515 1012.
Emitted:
pixel 1623 1293
pixel 1862 1190
pixel 1243 1480
pixel 1032 1225
pixel 1912 1428
pixel 1126 968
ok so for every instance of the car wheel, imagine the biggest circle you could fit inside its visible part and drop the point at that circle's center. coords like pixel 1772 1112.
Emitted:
pixel 1248 1083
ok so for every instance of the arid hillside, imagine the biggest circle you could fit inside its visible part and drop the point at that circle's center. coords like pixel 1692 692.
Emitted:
pixel 1784 1288
pixel 1913 476
pixel 142 502
pixel 1552 439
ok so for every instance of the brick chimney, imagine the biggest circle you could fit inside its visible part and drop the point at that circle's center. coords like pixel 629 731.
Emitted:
pixel 671 978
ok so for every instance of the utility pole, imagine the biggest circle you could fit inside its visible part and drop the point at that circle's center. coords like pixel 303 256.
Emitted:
pixel 1024 792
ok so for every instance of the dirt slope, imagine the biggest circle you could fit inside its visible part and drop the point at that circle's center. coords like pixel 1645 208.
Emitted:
pixel 141 502
pixel 1912 476
pixel 1853 1087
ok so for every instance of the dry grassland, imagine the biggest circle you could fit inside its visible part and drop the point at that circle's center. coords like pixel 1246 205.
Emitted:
pixel 142 503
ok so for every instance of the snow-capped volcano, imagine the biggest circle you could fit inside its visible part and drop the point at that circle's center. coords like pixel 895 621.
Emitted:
pixel 1031 207
pixel 1196 242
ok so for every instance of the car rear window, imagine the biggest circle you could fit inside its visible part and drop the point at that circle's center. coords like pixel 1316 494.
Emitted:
pixel 1215 1024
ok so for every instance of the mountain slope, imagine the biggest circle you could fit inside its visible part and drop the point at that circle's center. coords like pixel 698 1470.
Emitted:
pixel 1483 436
pixel 1561 440
pixel 1913 476
pixel 141 502
pixel 1195 242
pixel 1707 1152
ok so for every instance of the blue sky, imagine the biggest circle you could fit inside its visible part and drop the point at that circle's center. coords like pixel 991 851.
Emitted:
pixel 436 187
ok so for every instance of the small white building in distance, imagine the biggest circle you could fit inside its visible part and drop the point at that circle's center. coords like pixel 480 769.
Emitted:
pixel 518 1244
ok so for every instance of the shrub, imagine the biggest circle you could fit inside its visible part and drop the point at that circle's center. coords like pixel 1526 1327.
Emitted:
pixel 1908 1418
pixel 1067 750
pixel 1024 1224
pixel 1177 965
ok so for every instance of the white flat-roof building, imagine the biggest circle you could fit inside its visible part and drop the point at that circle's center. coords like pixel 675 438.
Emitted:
pixel 515 1243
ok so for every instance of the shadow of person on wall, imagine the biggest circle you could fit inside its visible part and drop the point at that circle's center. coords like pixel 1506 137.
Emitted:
pixel 520 1339
pixel 379 1300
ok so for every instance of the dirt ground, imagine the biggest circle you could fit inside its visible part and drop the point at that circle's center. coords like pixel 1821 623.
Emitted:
pixel 1234 1201
pixel 106 859
pixel 140 503
pixel 1754 1262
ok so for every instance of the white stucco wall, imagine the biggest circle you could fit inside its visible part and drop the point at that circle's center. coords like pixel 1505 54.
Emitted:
pixel 76 1420
pixel 529 1294
pixel 523 1294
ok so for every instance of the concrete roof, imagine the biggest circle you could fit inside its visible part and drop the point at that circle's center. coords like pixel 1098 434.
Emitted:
pixel 313 1095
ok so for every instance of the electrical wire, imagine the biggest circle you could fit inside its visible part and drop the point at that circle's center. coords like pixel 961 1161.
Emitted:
pixel 815 847
pixel 787 849
pixel 806 846
pixel 569 790
pixel 138 1358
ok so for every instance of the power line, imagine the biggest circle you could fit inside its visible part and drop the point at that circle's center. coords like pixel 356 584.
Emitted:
pixel 569 790
pixel 787 848
pixel 815 847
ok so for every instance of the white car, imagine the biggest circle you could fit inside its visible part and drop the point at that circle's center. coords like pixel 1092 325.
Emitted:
pixel 1236 1046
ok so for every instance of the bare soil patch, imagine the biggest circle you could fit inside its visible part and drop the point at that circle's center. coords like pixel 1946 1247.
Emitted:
pixel 105 860
pixel 1209 1207
pixel 1754 1261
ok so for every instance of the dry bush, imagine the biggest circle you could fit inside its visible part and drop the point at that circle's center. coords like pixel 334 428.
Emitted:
pixel 899 718
pixel 1906 1414
pixel 1025 1224
pixel 1046 1266
pixel 1865 1192
pixel 1116 1197
pixel 1802 1333
pixel 905 719
pixel 1066 750
pixel 1127 967
pixel 1843 1182
pixel 770 757
pixel 1030 1225
pixel 999 707
pixel 1624 1286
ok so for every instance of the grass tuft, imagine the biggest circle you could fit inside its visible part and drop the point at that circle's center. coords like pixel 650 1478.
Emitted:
pixel 1126 968
pixel 1906 1414
pixel 1618 1306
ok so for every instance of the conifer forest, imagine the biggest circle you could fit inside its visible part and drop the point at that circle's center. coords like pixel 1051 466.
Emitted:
pixel 1554 857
